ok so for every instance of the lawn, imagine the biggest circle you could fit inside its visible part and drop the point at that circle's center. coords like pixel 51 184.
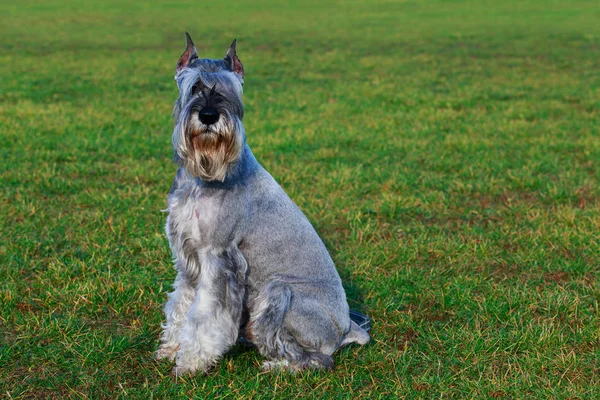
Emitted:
pixel 448 153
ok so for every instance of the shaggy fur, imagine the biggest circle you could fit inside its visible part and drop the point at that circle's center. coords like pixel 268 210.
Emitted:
pixel 248 261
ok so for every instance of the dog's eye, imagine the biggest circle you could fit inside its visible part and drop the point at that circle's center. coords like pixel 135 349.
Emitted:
pixel 197 87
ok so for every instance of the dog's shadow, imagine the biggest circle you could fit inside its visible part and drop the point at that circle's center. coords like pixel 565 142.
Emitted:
pixel 353 294
pixel 241 346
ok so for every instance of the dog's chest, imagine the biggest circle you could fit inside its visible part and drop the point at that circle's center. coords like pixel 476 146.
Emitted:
pixel 206 219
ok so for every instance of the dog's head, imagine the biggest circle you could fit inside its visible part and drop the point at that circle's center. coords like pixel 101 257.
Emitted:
pixel 208 136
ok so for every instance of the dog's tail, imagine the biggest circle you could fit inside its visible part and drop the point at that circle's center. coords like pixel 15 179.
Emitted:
pixel 359 327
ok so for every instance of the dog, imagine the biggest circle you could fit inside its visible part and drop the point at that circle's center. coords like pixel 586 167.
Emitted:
pixel 249 263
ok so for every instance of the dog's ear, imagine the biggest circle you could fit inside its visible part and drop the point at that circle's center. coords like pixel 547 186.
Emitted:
pixel 233 62
pixel 188 55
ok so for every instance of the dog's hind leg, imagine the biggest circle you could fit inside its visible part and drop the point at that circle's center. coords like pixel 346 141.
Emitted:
pixel 213 320
pixel 277 334
pixel 176 310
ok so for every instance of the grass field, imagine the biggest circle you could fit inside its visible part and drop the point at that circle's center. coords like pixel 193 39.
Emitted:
pixel 447 152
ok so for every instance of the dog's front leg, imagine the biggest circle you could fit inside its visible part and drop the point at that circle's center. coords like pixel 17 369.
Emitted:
pixel 176 311
pixel 213 320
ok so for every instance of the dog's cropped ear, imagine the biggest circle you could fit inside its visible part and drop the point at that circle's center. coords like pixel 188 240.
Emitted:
pixel 188 55
pixel 233 62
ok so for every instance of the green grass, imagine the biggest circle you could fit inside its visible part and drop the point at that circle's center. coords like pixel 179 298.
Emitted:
pixel 447 152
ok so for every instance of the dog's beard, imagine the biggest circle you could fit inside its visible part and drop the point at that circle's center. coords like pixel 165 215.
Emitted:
pixel 208 151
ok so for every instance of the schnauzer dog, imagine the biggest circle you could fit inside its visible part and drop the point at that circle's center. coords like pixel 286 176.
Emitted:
pixel 249 263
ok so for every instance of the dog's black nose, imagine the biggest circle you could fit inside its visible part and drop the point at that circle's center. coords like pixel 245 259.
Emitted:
pixel 208 115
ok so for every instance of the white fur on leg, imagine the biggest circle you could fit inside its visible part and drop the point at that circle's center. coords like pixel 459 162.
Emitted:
pixel 176 311
pixel 209 329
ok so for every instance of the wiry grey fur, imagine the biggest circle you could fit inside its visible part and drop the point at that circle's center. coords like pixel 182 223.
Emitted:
pixel 249 262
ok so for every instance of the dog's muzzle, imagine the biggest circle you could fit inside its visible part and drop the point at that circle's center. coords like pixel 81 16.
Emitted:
pixel 208 115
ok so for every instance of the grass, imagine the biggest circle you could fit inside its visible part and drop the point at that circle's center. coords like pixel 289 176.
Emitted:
pixel 447 153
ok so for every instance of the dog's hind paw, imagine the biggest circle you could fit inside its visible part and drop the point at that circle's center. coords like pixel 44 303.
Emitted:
pixel 313 361
pixel 276 365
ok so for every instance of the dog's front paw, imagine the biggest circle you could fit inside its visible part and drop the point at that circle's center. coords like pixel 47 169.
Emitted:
pixel 182 370
pixel 166 352
pixel 187 365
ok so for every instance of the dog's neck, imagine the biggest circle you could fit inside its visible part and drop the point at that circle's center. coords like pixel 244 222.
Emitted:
pixel 237 172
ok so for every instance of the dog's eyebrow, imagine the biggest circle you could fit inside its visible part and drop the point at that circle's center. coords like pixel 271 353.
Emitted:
pixel 204 95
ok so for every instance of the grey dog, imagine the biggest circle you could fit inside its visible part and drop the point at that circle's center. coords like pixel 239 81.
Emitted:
pixel 249 263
